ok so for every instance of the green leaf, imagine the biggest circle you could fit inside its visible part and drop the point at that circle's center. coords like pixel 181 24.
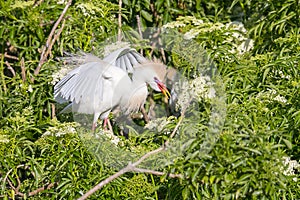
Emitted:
pixel 146 15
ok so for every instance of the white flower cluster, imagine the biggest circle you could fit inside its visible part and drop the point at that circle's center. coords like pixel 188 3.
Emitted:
pixel 67 128
pixel 57 76
pixel 158 124
pixel 199 88
pixel 4 138
pixel 234 30
pixel 281 74
pixel 272 95
pixel 62 2
pixel 89 9
pixel 239 32
pixel 174 24
pixel 109 135
pixel 291 166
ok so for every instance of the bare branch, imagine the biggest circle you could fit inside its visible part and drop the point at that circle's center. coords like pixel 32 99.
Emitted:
pixel 45 187
pixel 16 189
pixel 10 68
pixel 157 173
pixel 139 29
pixel 131 167
pixel 120 21
pixel 9 56
pixel 145 115
pixel 53 111
pixel 23 72
pixel 47 48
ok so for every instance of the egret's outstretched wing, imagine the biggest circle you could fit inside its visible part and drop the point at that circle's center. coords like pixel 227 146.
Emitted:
pixel 125 58
pixel 90 86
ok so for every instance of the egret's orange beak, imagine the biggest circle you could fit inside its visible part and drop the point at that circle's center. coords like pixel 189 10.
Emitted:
pixel 163 88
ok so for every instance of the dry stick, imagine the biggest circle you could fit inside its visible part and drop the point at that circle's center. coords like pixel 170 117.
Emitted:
pixel 53 111
pixel 120 21
pixel 145 115
pixel 163 55
pixel 45 187
pixel 45 53
pixel 23 72
pixel 131 167
pixel 10 68
pixel 149 171
pixel 140 30
pixel 9 56
pixel 16 190
pixel 55 37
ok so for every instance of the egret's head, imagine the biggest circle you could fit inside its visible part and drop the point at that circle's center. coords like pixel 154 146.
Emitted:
pixel 162 88
pixel 152 74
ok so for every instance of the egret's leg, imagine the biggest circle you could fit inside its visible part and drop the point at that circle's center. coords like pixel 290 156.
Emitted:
pixel 94 126
pixel 107 123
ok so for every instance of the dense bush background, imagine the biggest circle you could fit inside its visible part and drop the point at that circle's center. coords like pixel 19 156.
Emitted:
pixel 261 129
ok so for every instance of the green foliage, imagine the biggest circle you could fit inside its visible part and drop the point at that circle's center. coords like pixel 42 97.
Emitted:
pixel 262 95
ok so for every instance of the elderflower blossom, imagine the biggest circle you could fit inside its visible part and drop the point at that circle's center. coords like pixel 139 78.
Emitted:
pixel 291 166
pixel 174 24
pixel 198 88
pixel 62 2
pixel 89 9
pixel 235 32
pixel 60 74
pixel 271 94
pixel 109 135
pixel 158 124
pixel 4 138
pixel 68 128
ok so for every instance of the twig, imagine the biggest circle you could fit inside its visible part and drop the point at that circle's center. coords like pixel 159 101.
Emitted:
pixel 145 115
pixel 53 111
pixel 157 173
pixel 55 38
pixel 131 167
pixel 140 30
pixel 9 56
pixel 163 55
pixel 23 72
pixel 45 187
pixel 16 189
pixel 10 68
pixel 47 47
pixel 120 21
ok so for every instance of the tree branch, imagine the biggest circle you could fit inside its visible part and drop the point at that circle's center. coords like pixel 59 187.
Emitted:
pixel 131 167
pixel 47 48
pixel 157 173
pixel 23 71
pixel 16 189
pixel 120 21
pixel 10 68
pixel 9 56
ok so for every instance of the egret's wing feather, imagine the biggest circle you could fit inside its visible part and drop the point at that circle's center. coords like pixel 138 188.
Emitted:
pixel 81 83
pixel 138 57
pixel 117 63
pixel 125 58
pixel 113 56
pixel 122 63
pixel 91 87
pixel 67 109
